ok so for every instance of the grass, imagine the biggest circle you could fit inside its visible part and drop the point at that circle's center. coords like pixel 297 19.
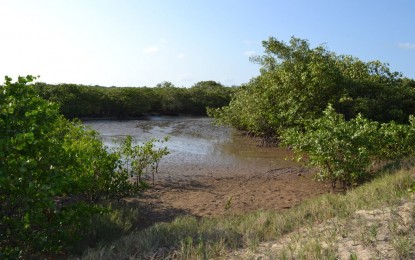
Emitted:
pixel 119 219
pixel 205 238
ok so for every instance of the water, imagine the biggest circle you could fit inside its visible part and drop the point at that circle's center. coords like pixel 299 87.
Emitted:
pixel 197 147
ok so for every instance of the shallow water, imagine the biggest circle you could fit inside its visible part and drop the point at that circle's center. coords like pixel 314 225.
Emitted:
pixel 197 147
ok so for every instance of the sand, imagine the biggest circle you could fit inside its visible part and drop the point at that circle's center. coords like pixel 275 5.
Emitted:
pixel 228 193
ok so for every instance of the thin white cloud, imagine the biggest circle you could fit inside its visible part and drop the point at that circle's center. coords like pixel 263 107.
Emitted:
pixel 152 49
pixel 181 56
pixel 406 45
pixel 249 53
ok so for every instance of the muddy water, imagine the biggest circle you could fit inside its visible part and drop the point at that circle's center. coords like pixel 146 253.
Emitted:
pixel 198 148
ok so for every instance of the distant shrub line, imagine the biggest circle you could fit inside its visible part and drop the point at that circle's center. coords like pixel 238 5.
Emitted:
pixel 126 102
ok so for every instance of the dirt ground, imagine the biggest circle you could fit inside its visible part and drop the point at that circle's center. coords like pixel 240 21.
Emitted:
pixel 228 193
pixel 213 171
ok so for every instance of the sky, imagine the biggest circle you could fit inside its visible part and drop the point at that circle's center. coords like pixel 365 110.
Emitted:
pixel 145 42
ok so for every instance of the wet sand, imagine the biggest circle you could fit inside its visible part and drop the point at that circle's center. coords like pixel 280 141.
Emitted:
pixel 228 194
pixel 213 171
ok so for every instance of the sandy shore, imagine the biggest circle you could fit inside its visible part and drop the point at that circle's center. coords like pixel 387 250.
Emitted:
pixel 228 193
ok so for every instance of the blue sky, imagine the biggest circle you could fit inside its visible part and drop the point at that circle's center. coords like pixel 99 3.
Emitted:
pixel 145 42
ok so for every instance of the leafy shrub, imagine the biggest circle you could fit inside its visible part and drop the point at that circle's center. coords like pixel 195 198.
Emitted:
pixel 52 171
pixel 142 159
pixel 366 123
pixel 298 82
pixel 345 150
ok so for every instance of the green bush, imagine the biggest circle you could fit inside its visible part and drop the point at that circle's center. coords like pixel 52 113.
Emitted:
pixel 344 151
pixel 52 172
pixel 366 122
pixel 142 159
pixel 298 82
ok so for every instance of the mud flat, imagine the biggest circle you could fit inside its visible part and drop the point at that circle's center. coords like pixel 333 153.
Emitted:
pixel 212 170
pixel 229 193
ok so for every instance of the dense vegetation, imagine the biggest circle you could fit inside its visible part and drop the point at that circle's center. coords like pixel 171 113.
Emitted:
pixel 349 152
pixel 54 173
pixel 166 99
pixel 344 113
pixel 298 82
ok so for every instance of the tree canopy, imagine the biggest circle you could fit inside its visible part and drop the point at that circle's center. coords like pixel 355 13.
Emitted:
pixel 344 113
pixel 297 82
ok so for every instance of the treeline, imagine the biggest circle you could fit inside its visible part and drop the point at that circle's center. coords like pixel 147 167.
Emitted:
pixel 124 102
pixel 298 82
pixel 347 115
